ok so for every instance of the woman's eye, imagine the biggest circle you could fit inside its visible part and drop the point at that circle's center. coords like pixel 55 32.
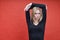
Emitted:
pixel 37 13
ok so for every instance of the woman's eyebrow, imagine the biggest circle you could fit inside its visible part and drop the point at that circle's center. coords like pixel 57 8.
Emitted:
pixel 37 13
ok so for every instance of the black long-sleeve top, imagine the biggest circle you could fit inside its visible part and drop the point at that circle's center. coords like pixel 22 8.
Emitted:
pixel 36 32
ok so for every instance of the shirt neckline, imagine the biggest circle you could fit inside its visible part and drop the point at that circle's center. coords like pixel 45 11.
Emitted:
pixel 37 24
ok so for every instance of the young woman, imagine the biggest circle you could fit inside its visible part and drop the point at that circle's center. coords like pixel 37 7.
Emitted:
pixel 36 23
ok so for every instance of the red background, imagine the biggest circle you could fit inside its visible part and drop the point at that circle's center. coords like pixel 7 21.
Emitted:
pixel 13 23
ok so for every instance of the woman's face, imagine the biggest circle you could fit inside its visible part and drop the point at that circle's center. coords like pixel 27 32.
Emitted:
pixel 37 15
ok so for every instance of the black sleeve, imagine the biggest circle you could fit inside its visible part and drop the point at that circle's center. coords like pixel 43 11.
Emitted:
pixel 28 16
pixel 36 5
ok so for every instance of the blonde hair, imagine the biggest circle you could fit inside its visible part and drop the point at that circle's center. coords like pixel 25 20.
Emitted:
pixel 33 12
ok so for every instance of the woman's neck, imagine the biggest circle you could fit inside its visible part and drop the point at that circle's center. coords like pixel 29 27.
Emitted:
pixel 35 22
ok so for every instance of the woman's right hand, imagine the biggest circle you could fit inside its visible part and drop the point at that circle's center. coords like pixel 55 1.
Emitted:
pixel 27 7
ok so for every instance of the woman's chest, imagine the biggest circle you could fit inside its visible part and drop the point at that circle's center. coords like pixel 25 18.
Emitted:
pixel 33 28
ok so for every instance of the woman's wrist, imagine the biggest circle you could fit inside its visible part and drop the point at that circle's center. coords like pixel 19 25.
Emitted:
pixel 28 7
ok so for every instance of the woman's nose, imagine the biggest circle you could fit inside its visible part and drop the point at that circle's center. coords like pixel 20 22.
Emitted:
pixel 36 15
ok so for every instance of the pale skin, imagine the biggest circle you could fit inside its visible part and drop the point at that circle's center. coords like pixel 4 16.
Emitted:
pixel 36 17
pixel 37 13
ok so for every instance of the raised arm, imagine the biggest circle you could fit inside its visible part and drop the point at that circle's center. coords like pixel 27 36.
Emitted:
pixel 27 8
pixel 27 16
